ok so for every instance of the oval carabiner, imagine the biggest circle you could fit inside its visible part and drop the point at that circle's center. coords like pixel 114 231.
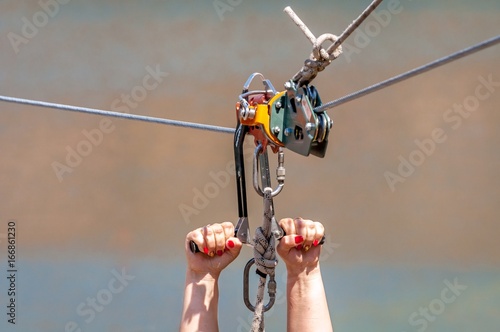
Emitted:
pixel 280 170
pixel 271 288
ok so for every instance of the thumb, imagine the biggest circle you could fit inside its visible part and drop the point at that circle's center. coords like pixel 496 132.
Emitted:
pixel 233 245
pixel 288 242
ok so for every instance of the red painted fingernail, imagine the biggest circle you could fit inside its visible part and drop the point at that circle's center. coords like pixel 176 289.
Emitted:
pixel 299 247
pixel 298 239
pixel 205 250
pixel 315 243
pixel 219 252
pixel 230 244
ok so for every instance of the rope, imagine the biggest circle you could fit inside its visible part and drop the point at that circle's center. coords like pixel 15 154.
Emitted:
pixel 265 260
pixel 167 122
pixel 353 26
pixel 320 58
pixel 414 72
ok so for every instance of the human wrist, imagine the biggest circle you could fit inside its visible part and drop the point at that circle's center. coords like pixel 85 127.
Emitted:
pixel 304 286
pixel 202 290
pixel 200 309
pixel 303 274
pixel 193 276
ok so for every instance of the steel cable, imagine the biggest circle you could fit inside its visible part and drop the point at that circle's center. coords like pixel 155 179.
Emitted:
pixel 411 73
pixel 352 96
pixel 128 116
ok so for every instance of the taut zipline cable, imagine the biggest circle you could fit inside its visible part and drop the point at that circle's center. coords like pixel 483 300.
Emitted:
pixel 136 117
pixel 414 72
pixel 352 96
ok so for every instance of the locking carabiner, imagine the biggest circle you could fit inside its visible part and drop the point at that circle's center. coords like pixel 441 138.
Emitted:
pixel 271 288
pixel 260 153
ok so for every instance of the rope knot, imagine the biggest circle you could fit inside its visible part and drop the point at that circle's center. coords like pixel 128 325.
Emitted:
pixel 264 253
pixel 320 54
pixel 265 243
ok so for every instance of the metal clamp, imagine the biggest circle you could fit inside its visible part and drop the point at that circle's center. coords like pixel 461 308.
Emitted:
pixel 264 168
pixel 271 288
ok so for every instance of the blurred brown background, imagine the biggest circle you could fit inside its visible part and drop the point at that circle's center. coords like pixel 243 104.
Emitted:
pixel 122 202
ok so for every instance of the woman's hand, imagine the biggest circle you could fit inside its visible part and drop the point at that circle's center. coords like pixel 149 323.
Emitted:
pixel 218 248
pixel 307 308
pixel 300 248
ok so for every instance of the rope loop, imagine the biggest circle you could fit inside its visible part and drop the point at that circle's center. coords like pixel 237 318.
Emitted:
pixel 264 242
pixel 320 54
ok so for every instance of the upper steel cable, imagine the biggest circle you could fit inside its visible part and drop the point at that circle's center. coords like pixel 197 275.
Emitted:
pixel 414 72
pixel 352 96
pixel 118 115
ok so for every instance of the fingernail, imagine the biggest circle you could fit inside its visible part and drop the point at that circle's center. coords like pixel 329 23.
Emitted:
pixel 205 250
pixel 219 252
pixel 315 243
pixel 230 244
pixel 299 247
pixel 298 239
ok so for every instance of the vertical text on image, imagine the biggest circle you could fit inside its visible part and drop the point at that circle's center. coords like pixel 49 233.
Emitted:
pixel 11 271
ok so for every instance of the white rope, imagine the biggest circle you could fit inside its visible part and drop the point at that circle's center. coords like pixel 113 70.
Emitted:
pixel 265 259
pixel 353 26
pixel 258 314
pixel 321 58
pixel 94 111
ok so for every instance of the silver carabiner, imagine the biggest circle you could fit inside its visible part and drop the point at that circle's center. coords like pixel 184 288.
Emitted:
pixel 264 167
pixel 271 288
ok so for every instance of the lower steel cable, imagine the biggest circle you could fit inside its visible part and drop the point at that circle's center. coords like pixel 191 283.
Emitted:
pixel 128 116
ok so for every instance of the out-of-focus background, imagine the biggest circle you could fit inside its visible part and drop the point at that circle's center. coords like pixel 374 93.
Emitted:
pixel 409 190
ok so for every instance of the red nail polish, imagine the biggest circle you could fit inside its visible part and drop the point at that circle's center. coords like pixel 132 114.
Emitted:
pixel 230 244
pixel 219 252
pixel 315 243
pixel 205 250
pixel 298 239
pixel 299 247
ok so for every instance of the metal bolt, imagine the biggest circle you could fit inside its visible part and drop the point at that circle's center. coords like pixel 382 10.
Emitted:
pixel 276 130
pixel 298 99
pixel 288 131
pixel 278 105
pixel 310 126
pixel 288 85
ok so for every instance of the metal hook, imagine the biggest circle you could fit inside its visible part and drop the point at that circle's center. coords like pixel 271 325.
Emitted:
pixel 264 167
pixel 271 288
pixel 267 84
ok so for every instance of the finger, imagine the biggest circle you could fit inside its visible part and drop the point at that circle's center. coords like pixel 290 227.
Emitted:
pixel 233 246
pixel 320 233
pixel 231 242
pixel 228 229
pixel 209 237
pixel 301 230
pixel 220 239
pixel 288 226
pixel 289 242
pixel 196 238
pixel 310 230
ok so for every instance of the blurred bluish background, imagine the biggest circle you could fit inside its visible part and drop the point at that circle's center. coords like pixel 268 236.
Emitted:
pixel 417 254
